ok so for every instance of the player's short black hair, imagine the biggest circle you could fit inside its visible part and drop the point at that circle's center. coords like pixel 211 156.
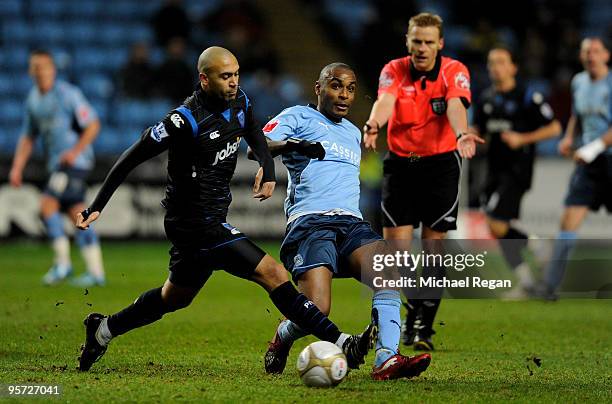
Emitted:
pixel 508 49
pixel 42 52
pixel 326 72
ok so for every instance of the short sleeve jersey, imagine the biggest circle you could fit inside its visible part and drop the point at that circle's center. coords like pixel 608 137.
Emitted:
pixel 319 186
pixel 592 104
pixel 522 110
pixel 58 117
pixel 418 124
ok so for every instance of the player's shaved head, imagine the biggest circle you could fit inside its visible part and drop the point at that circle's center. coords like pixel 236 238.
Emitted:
pixel 215 56
pixel 328 72
pixel 219 72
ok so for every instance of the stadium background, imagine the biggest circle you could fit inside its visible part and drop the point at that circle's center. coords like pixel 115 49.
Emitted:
pixel 486 350
pixel 128 62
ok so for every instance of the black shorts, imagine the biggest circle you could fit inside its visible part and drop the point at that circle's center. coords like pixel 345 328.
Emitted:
pixel 198 250
pixel 591 184
pixel 68 186
pixel 423 190
pixel 502 197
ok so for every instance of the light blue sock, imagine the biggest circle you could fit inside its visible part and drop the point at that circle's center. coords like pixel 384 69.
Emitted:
pixel 564 244
pixel 290 332
pixel 86 237
pixel 386 306
pixel 55 226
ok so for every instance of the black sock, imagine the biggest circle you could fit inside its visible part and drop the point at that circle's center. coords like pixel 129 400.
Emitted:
pixel 148 308
pixel 429 308
pixel 412 308
pixel 511 245
pixel 304 313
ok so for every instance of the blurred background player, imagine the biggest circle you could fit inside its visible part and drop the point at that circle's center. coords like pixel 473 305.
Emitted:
pixel 326 235
pixel 512 118
pixel 202 138
pixel 424 97
pixel 590 186
pixel 58 113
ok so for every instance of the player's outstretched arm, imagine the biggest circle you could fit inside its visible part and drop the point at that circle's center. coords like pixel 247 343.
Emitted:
pixel 516 140
pixel 313 150
pixel 457 117
pixel 265 180
pixel 139 152
pixel 380 114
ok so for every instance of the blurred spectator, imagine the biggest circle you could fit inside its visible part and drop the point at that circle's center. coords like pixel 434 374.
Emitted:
pixel 231 13
pixel 384 37
pixel 175 79
pixel 271 93
pixel 171 21
pixel 254 54
pixel 136 77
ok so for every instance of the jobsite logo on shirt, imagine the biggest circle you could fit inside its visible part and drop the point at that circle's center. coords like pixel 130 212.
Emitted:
pixel 230 148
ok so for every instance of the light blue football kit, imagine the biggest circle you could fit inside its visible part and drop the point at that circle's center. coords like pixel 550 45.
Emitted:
pixel 58 117
pixel 590 184
pixel 322 207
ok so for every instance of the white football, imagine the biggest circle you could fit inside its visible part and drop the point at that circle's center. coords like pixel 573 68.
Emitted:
pixel 322 364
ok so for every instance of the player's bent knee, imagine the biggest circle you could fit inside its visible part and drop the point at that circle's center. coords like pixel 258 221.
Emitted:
pixel 176 297
pixel 48 206
pixel 270 274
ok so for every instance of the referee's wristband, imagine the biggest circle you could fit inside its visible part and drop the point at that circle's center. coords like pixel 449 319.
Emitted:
pixel 370 127
pixel 459 135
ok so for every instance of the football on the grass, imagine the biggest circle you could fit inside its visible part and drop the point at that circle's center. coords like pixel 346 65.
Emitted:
pixel 322 364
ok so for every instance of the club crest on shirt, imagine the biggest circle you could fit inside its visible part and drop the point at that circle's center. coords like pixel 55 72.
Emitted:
pixel 159 132
pixel 385 80
pixel 461 81
pixel 240 117
pixel 438 105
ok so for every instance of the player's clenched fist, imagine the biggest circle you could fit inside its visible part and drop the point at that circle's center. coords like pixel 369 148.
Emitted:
pixel 85 218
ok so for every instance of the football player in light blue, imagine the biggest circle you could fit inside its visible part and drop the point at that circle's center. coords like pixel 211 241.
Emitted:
pixel 58 114
pixel 591 183
pixel 326 235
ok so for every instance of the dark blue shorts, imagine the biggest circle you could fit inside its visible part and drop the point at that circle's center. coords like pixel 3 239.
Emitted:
pixel 68 186
pixel 317 240
pixel 591 184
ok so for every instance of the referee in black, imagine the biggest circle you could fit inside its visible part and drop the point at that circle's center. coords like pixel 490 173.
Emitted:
pixel 202 137
pixel 513 118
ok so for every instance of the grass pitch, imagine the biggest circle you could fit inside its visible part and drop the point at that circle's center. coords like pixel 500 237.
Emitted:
pixel 212 351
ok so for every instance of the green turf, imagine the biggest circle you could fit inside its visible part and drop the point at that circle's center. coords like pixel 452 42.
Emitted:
pixel 212 351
